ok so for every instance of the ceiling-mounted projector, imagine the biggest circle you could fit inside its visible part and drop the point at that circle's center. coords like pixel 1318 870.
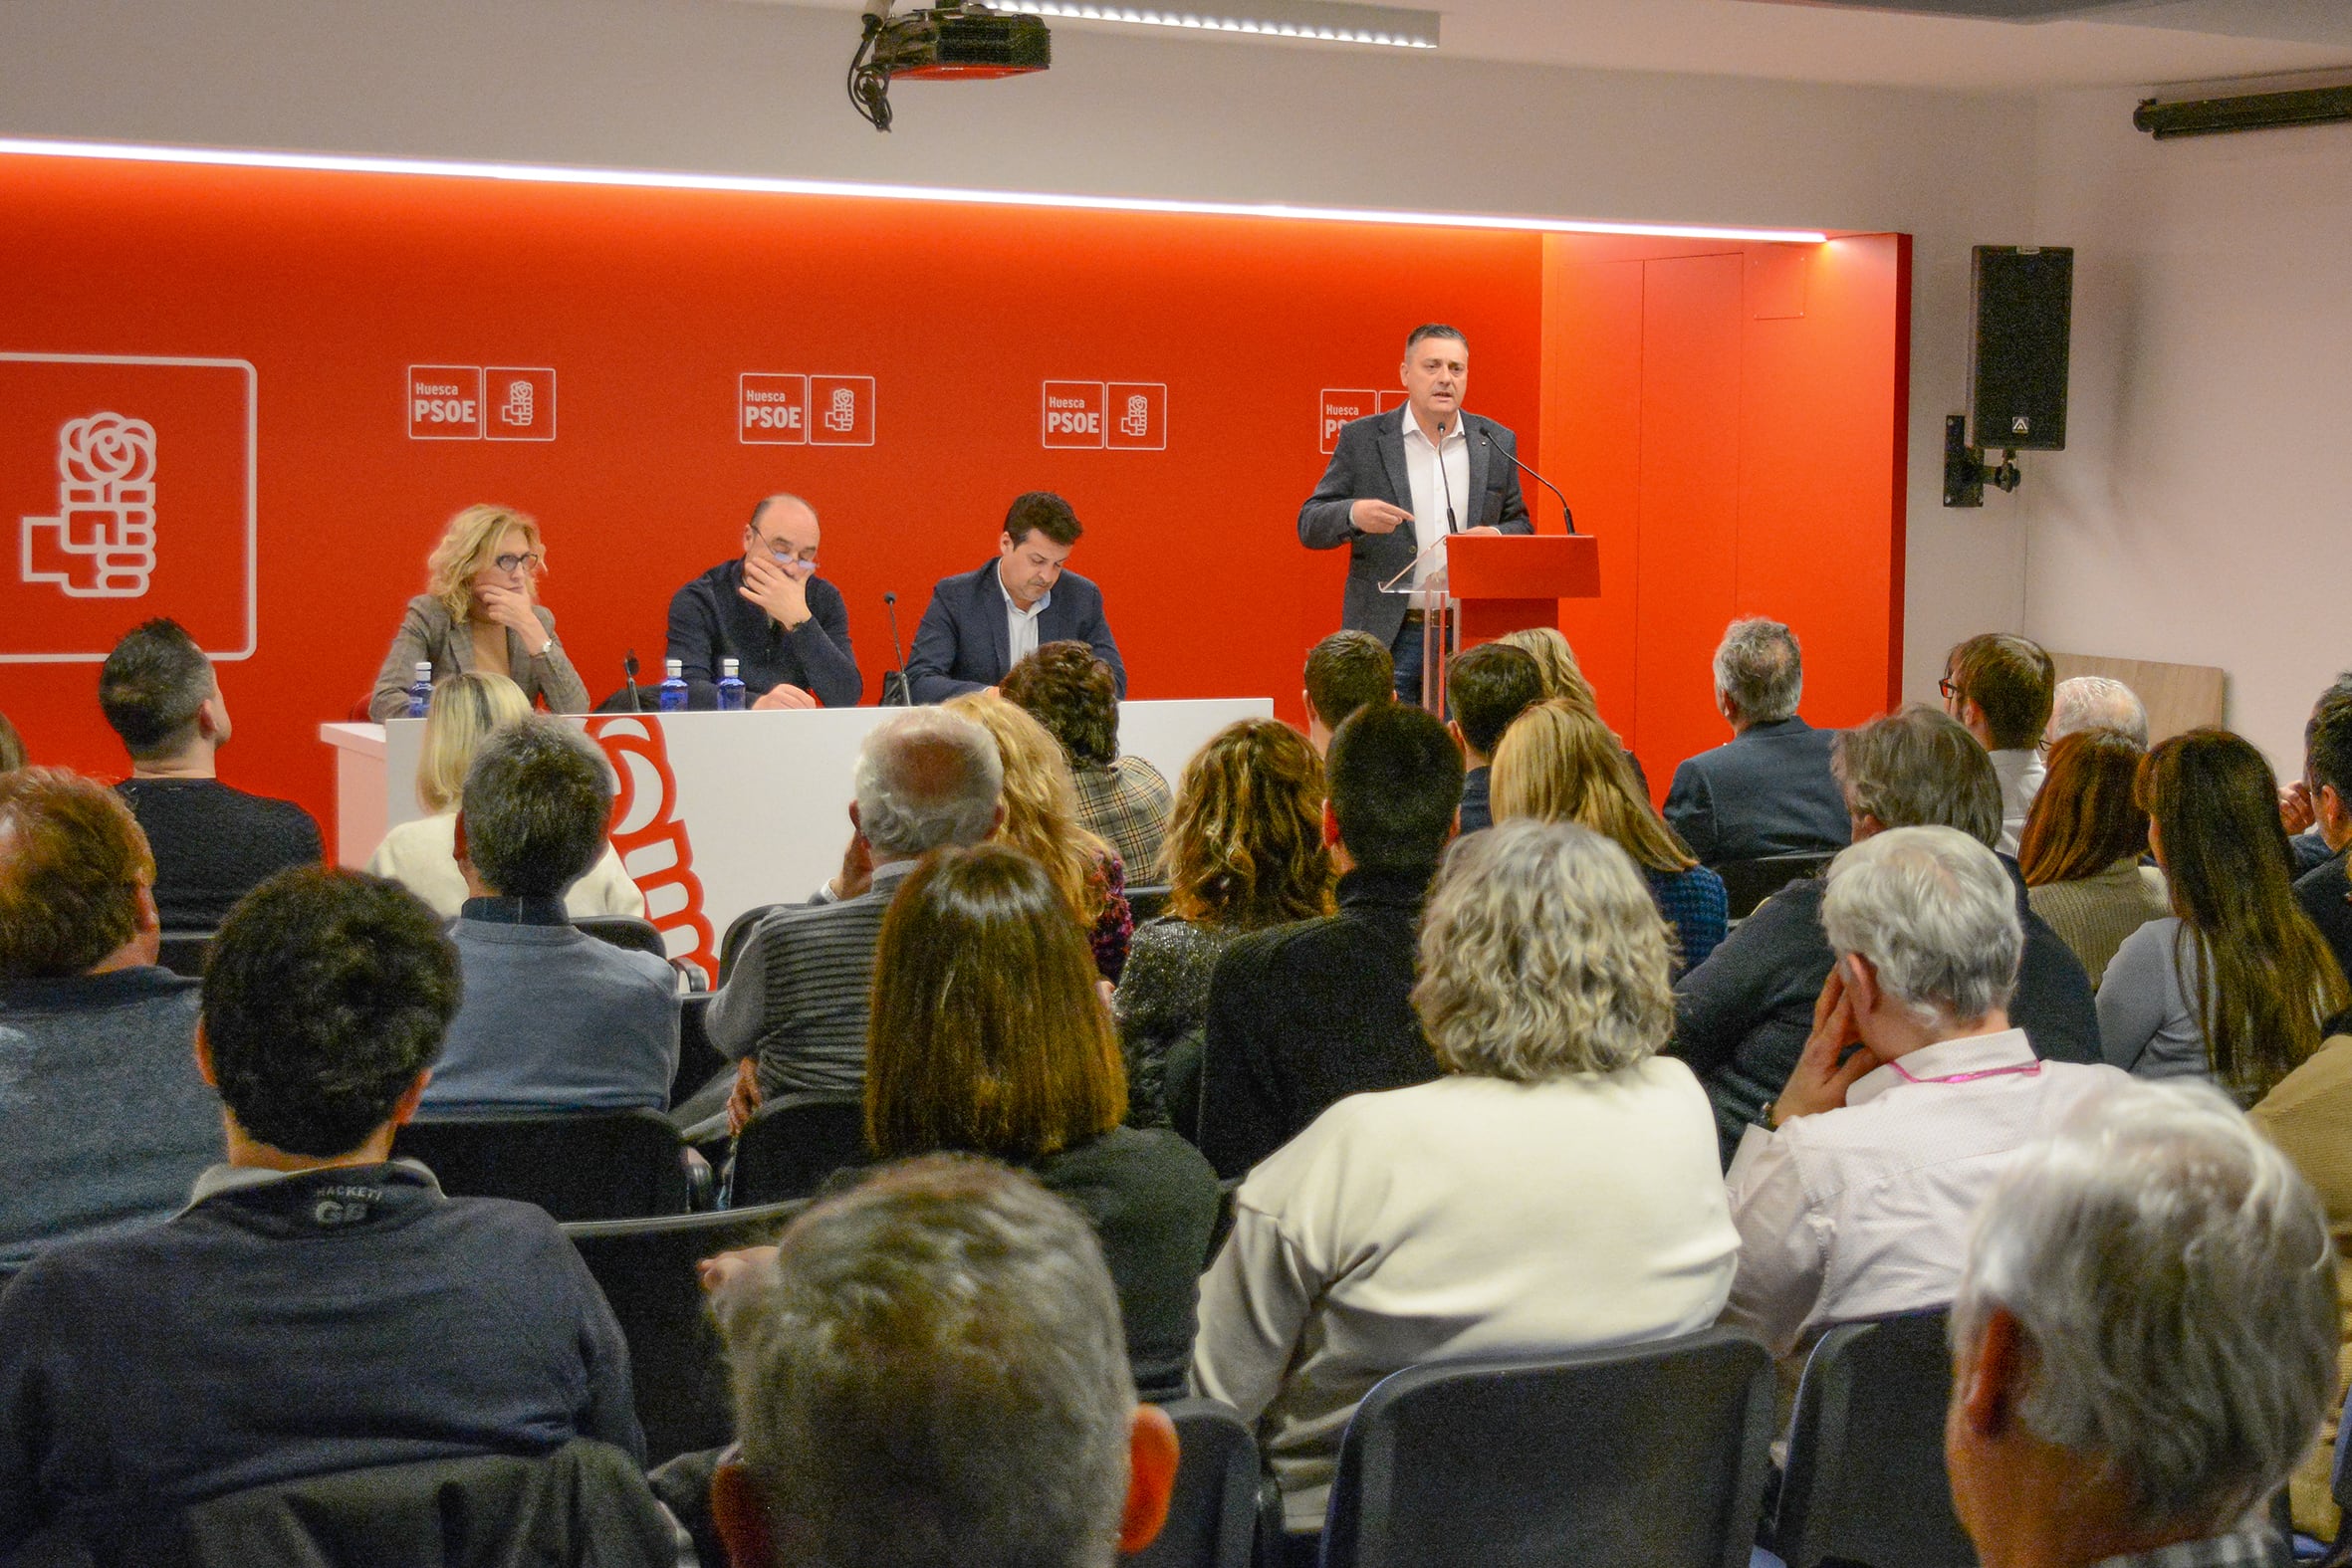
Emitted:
pixel 950 41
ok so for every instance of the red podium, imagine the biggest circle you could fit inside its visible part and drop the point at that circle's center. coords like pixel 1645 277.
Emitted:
pixel 1498 584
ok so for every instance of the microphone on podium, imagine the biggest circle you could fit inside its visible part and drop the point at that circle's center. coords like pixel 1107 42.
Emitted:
pixel 894 688
pixel 1565 515
pixel 629 666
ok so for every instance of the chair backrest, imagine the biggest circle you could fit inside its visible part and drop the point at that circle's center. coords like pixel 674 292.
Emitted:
pixel 1649 1453
pixel 625 931
pixel 1213 1515
pixel 794 1142
pixel 1748 883
pixel 183 952
pixel 1865 1480
pixel 576 1165
pixel 1147 902
pixel 699 1060
pixel 646 1269
pixel 739 931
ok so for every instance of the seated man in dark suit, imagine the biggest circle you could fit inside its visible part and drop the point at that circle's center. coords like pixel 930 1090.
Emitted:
pixel 1346 672
pixel 786 627
pixel 1741 1017
pixel 319 1306
pixel 1302 1015
pixel 980 623
pixel 211 843
pixel 2326 891
pixel 1768 791
pixel 1487 687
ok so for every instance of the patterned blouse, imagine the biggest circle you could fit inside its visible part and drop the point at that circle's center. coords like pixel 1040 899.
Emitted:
pixel 1163 998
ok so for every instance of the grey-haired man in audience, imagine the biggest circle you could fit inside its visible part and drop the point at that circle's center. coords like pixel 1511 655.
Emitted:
pixel 1768 791
pixel 2094 702
pixel 2144 1342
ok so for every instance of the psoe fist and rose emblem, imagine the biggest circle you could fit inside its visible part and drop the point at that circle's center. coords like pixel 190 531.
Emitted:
pixel 101 544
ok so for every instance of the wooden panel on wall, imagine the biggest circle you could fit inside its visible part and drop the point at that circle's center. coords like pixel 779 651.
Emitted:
pixel 2178 697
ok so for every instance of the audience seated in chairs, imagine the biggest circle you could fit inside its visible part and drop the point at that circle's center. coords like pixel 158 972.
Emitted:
pixel 1486 688
pixel 1998 686
pixel 554 1020
pixel 1558 764
pixel 2095 702
pixel 421 855
pixel 1768 791
pixel 103 1121
pixel 1346 672
pixel 1041 822
pixel 1741 1017
pixel 318 1306
pixel 1245 851
pixel 793 1013
pixel 1123 798
pixel 2236 985
pixel 211 843
pixel 928 1369
pixel 2144 1338
pixel 989 1037
pixel 2083 841
pixel 1853 1197
pixel 2326 891
pixel 1556 1188
pixel 1304 1014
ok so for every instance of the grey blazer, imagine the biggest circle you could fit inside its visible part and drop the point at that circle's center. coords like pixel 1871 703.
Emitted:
pixel 427 631
pixel 1369 464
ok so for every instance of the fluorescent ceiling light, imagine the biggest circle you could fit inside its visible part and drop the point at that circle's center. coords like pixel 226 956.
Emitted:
pixel 553 174
pixel 1322 21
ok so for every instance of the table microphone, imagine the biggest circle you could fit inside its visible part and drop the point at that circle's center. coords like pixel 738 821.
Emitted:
pixel 629 665
pixel 894 688
pixel 1566 517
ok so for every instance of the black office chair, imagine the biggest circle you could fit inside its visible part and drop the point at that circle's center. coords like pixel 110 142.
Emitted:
pixel 576 1165
pixel 183 952
pixel 794 1142
pixel 625 931
pixel 739 931
pixel 1213 1515
pixel 1865 1482
pixel 1147 902
pixel 1649 1453
pixel 699 1060
pixel 1748 883
pixel 647 1270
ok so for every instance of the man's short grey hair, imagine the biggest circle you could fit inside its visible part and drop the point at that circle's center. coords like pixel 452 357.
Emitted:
pixel 933 1375
pixel 1918 769
pixel 1936 914
pixel 1542 954
pixel 927 777
pixel 537 805
pixel 2176 1291
pixel 1759 670
pixel 2093 702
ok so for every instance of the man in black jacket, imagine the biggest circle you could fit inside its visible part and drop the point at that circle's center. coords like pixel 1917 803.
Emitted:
pixel 1304 1014
pixel 786 627
pixel 1741 1017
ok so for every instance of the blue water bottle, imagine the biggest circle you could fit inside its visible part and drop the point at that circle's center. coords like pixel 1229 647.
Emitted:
pixel 673 686
pixel 729 686
pixel 421 691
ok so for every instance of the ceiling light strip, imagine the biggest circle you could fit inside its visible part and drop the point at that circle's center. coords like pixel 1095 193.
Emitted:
pixel 1385 26
pixel 765 185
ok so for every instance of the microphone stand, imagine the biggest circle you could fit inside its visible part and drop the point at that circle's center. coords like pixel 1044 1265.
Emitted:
pixel 895 693
pixel 1567 519
pixel 629 664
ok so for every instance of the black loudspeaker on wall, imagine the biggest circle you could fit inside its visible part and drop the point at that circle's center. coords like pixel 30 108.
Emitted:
pixel 2021 304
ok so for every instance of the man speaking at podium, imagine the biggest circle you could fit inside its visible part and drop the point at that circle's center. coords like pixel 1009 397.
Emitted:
pixel 1403 481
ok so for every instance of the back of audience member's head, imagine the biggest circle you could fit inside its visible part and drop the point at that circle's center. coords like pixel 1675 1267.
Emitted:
pixel 2338 690
pixel 1759 671
pixel 1244 844
pixel 1489 686
pixel 2094 702
pixel 2085 817
pixel 1933 914
pixel 1560 764
pixel 12 746
pixel 1040 800
pixel 467 708
pixel 537 805
pixel 2166 1299
pixel 932 1374
pixel 1555 659
pixel 1346 673
pixel 75 876
pixel 927 777
pixel 2327 752
pixel 1918 769
pixel 1066 687
pixel 2011 680
pixel 1395 778
pixel 2269 980
pixel 1542 954
pixel 152 687
pixel 326 998
pixel 985 1034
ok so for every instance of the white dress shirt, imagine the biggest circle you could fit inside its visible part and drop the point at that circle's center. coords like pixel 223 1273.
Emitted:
pixel 2020 773
pixel 1856 1213
pixel 1021 625
pixel 1434 471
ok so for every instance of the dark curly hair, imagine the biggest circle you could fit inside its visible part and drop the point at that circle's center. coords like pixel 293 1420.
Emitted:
pixel 1071 692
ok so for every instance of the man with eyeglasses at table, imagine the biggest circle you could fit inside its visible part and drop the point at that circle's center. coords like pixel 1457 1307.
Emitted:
pixel 788 628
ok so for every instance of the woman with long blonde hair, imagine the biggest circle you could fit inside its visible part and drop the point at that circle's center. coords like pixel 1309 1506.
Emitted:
pixel 480 613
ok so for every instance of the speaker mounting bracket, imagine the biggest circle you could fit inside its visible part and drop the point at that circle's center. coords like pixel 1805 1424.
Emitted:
pixel 1965 470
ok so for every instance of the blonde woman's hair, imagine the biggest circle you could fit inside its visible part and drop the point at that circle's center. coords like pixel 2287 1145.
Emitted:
pixel 1558 764
pixel 1542 955
pixel 468 545
pixel 468 709
pixel 1556 662
pixel 1040 800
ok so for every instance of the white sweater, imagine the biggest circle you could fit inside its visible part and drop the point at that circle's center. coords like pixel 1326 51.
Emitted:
pixel 423 857
pixel 1470 1217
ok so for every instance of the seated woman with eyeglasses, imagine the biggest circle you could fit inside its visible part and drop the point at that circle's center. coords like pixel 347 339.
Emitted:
pixel 479 614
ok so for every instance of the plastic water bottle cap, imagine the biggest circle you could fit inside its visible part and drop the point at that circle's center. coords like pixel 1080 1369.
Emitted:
pixel 676 668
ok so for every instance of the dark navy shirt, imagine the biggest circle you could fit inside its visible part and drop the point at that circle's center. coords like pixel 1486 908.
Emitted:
pixel 710 620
